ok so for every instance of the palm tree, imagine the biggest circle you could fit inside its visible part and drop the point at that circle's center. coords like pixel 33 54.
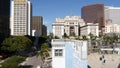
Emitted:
pixel 84 37
pixel 110 39
pixel 114 40
pixel 93 41
pixel 107 39
pixel 91 36
pixel 44 52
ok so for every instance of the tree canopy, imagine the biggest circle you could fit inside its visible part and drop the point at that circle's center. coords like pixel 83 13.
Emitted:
pixel 16 44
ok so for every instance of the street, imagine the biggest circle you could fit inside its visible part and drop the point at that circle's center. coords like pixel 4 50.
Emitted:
pixel 35 62
pixel 32 62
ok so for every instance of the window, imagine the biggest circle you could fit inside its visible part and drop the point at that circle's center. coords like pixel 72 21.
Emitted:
pixel 58 52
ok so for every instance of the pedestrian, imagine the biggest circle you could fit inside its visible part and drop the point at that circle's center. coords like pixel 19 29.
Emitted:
pixel 104 61
pixel 102 56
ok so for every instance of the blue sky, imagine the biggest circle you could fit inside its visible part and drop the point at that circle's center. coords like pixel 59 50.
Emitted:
pixel 50 9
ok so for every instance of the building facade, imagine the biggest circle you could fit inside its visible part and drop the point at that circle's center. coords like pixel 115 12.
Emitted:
pixel 113 14
pixel 94 13
pixel 101 14
pixel 21 18
pixel 69 25
pixel 69 54
pixel 44 30
pixel 37 23
pixel 90 28
pixel 4 18
pixel 112 28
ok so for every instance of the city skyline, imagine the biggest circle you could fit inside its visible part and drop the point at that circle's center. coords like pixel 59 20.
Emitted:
pixel 61 8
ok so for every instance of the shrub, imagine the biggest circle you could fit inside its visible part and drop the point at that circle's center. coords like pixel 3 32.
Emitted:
pixel 13 62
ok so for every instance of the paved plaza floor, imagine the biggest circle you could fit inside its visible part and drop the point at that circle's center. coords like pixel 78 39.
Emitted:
pixel 111 61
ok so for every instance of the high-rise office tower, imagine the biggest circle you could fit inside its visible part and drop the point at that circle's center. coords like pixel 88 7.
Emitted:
pixel 44 30
pixel 113 14
pixel 21 18
pixel 4 18
pixel 94 14
pixel 37 23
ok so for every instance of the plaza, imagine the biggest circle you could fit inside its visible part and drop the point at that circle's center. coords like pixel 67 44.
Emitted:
pixel 111 61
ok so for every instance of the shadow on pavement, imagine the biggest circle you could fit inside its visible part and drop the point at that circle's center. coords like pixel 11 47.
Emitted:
pixel 89 66
pixel 26 66
pixel 119 66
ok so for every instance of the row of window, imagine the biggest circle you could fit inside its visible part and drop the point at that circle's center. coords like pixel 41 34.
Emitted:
pixel 20 9
pixel 20 22
pixel 72 22
pixel 20 14
pixel 19 33
pixel 19 19
pixel 15 6
pixel 20 25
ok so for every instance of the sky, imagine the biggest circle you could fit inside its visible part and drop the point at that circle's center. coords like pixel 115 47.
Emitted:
pixel 51 9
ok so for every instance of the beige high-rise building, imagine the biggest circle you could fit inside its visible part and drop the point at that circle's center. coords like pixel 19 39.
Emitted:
pixel 69 25
pixel 21 18
pixel 113 14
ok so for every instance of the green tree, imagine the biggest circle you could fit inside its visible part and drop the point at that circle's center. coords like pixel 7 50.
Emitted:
pixel 65 35
pixel 106 39
pixel 56 37
pixel 16 44
pixel 44 51
pixel 92 37
pixel 43 39
pixel 84 37
pixel 114 40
